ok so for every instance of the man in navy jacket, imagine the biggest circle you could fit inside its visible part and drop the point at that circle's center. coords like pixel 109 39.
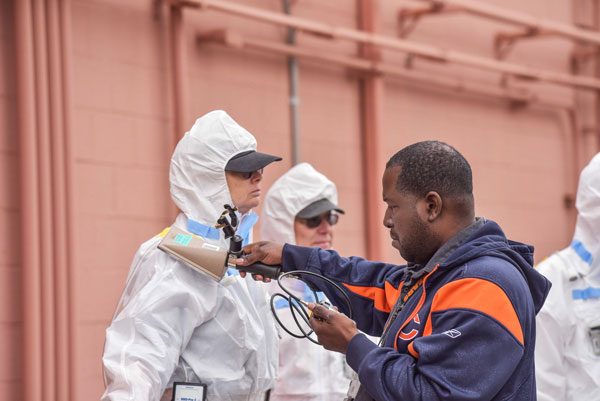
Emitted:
pixel 458 321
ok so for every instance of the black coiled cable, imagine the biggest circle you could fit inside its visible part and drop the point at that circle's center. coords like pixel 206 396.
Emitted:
pixel 297 305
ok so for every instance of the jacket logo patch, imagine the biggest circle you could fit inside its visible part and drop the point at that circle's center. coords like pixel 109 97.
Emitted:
pixel 453 333
pixel 412 333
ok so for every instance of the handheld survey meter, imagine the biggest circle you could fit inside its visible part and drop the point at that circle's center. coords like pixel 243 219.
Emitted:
pixel 209 258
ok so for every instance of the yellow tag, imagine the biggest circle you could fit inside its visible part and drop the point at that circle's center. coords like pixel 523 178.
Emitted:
pixel 163 233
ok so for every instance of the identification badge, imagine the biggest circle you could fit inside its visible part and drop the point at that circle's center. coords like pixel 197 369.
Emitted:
pixel 594 333
pixel 353 387
pixel 189 391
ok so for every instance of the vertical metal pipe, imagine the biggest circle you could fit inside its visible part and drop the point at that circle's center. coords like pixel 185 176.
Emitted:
pixel 44 234
pixel 59 202
pixel 570 173
pixel 69 273
pixel 371 87
pixel 573 151
pixel 178 92
pixel 30 251
pixel 293 87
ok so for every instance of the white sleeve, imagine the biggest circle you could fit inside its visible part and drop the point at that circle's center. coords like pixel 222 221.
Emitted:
pixel 550 369
pixel 145 340
pixel 551 328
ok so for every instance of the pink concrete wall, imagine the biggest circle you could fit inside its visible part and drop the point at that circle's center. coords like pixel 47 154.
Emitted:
pixel 121 141
pixel 122 138
pixel 329 102
pixel 518 155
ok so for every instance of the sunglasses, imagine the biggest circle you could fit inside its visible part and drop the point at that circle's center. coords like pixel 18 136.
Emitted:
pixel 248 175
pixel 313 222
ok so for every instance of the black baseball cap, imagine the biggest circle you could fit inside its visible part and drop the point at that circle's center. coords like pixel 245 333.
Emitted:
pixel 318 207
pixel 249 161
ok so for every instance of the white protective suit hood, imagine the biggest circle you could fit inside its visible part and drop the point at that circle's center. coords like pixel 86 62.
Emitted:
pixel 198 183
pixel 176 324
pixel 197 175
pixel 307 371
pixel 586 241
pixel 567 366
pixel 292 192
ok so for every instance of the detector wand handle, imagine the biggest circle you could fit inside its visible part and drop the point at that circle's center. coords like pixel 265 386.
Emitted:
pixel 267 271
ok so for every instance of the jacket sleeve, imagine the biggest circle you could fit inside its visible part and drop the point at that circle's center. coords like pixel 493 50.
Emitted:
pixel 552 323
pixel 550 369
pixel 372 287
pixel 455 358
pixel 144 341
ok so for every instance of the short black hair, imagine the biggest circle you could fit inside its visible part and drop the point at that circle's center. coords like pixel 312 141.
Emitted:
pixel 432 166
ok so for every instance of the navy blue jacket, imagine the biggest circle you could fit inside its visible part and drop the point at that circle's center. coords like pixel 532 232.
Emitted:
pixel 467 331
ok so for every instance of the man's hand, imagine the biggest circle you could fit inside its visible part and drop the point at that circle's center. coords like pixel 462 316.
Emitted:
pixel 334 330
pixel 265 252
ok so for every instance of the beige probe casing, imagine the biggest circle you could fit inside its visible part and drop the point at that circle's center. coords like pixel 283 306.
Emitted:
pixel 195 252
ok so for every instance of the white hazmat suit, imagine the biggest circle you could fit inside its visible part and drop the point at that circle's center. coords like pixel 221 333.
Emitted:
pixel 174 323
pixel 567 362
pixel 307 371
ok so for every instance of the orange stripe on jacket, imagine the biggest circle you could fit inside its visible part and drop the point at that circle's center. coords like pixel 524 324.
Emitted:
pixel 411 349
pixel 480 295
pixel 384 300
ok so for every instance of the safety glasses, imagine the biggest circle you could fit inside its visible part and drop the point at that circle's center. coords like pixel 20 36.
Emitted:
pixel 248 175
pixel 313 222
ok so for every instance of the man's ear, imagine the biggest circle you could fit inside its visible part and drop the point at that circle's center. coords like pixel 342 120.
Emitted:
pixel 433 206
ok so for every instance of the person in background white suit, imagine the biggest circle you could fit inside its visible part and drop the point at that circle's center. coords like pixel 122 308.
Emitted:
pixel 567 354
pixel 177 324
pixel 301 208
